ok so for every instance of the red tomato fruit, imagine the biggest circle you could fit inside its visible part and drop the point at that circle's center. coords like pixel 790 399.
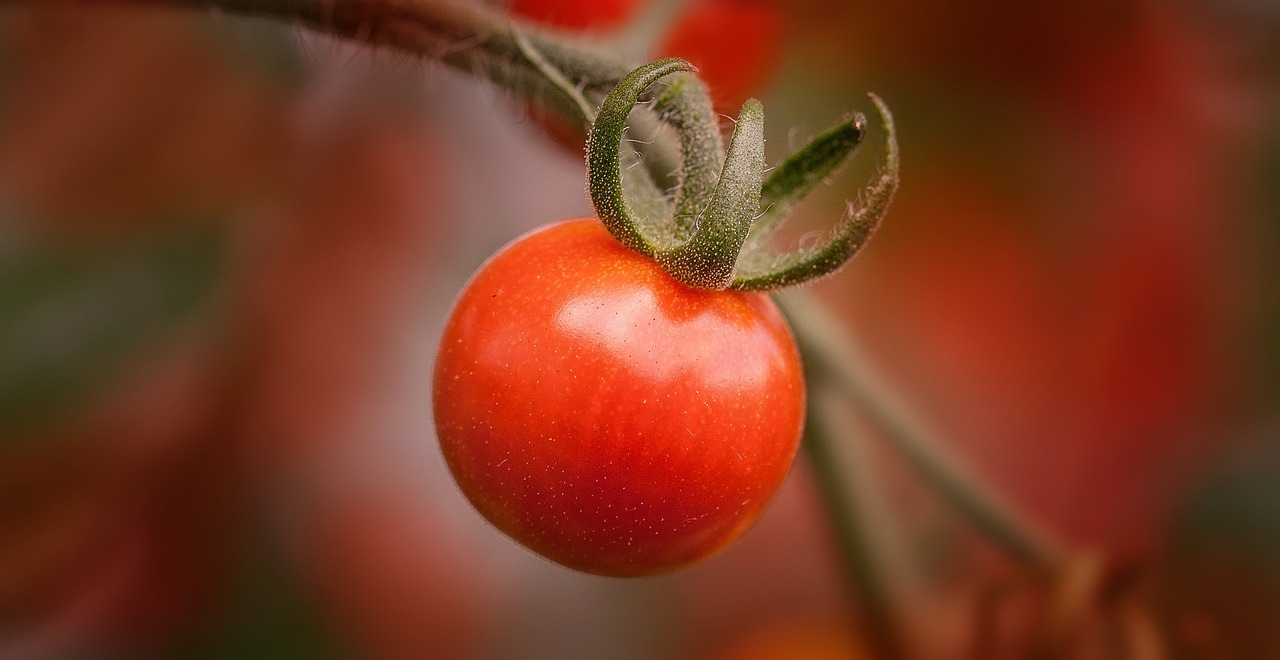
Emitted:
pixel 607 416
pixel 576 15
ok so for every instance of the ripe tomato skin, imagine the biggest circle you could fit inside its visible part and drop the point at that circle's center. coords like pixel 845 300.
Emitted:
pixel 605 415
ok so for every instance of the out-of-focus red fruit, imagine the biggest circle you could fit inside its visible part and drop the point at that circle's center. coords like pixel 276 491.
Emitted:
pixel 576 15
pixel 1004 44
pixel 736 45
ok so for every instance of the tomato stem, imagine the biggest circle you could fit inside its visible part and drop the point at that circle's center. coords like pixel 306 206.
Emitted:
pixel 858 535
pixel 587 113
pixel 469 38
pixel 702 235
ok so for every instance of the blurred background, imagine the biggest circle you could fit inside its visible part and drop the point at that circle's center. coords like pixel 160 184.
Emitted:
pixel 227 248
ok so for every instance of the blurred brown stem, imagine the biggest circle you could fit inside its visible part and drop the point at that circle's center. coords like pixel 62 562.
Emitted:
pixel 470 39
pixel 859 538
pixel 463 36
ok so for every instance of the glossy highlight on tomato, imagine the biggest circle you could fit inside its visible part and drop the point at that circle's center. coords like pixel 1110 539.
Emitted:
pixel 607 416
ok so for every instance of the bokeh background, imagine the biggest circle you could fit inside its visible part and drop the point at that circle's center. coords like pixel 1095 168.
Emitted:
pixel 227 248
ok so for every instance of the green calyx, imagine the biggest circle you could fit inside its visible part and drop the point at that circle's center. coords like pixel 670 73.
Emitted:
pixel 711 230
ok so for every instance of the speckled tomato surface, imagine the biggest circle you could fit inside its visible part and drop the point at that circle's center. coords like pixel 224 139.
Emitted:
pixel 607 416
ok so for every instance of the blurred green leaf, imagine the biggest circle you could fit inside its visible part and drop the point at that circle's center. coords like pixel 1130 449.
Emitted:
pixel 72 318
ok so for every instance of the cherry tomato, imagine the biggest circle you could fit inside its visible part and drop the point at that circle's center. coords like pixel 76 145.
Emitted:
pixel 736 45
pixel 576 15
pixel 605 415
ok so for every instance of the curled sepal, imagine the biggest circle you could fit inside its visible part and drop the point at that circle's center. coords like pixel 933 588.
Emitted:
pixel 604 161
pixel 685 105
pixel 792 181
pixel 709 229
pixel 709 258
pixel 760 269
